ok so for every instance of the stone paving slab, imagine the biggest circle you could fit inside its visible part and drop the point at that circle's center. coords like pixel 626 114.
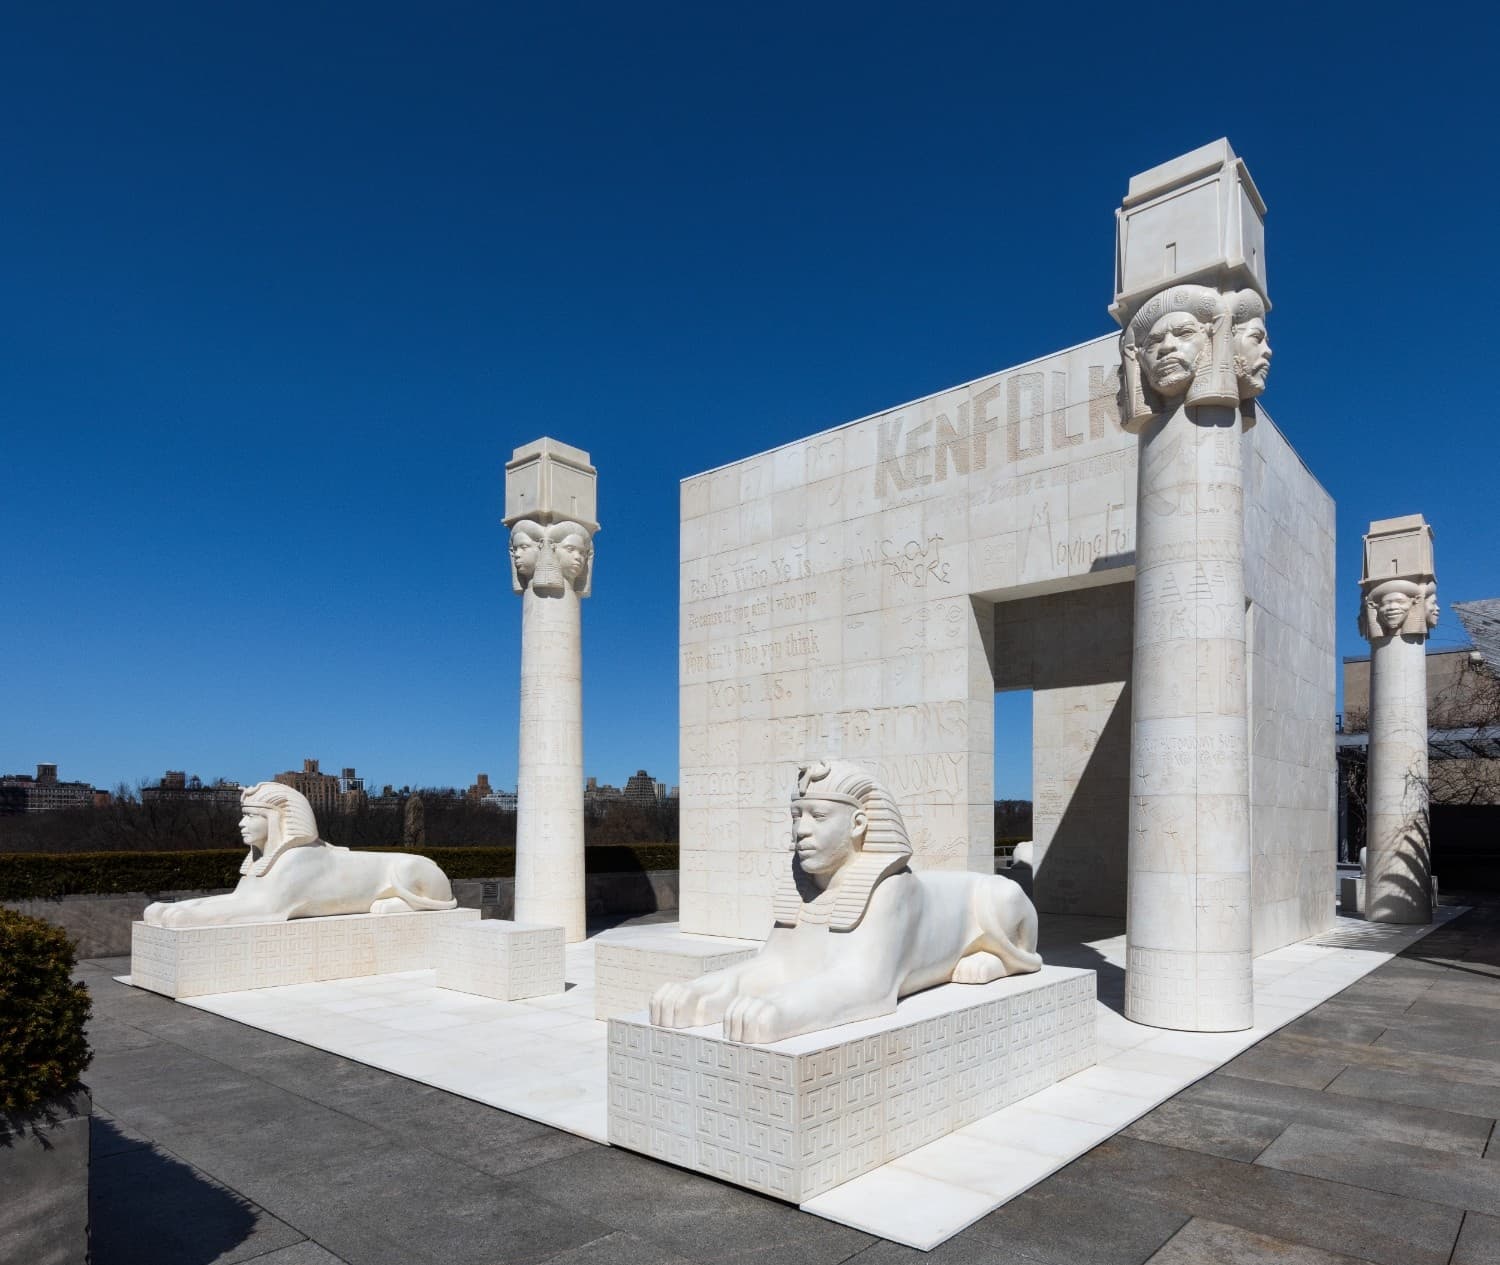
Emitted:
pixel 386 1170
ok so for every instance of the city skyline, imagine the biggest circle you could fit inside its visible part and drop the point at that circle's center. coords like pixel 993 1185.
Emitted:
pixel 189 777
pixel 267 353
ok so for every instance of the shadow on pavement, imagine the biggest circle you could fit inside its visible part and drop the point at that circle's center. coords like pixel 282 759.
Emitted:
pixel 147 1207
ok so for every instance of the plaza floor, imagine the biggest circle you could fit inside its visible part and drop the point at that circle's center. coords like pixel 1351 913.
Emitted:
pixel 1358 1132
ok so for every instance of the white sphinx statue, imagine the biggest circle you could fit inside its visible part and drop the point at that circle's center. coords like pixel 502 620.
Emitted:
pixel 291 873
pixel 856 929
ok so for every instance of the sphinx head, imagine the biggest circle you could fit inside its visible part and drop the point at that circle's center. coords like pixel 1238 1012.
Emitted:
pixel 840 813
pixel 275 817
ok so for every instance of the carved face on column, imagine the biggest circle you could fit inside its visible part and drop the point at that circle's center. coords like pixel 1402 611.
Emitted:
pixel 1252 354
pixel 1252 351
pixel 1430 608
pixel 1396 606
pixel 527 540
pixel 574 550
pixel 1391 610
pixel 573 555
pixel 1174 349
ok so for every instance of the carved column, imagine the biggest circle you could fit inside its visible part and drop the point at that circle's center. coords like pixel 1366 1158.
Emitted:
pixel 1398 609
pixel 1190 294
pixel 550 508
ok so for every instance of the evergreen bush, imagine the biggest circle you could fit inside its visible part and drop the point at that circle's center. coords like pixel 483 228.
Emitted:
pixel 42 1014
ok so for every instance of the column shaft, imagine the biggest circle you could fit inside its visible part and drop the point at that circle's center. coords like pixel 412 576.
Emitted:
pixel 1188 905
pixel 1398 874
pixel 549 787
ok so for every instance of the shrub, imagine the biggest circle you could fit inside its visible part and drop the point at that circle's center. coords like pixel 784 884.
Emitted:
pixel 42 1013
pixel 43 875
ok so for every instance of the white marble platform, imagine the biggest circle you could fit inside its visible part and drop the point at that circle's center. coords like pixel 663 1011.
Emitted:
pixel 499 958
pixel 631 964
pixel 187 962
pixel 545 1059
pixel 798 1117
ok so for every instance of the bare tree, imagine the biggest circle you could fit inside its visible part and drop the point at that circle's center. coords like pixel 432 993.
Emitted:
pixel 414 827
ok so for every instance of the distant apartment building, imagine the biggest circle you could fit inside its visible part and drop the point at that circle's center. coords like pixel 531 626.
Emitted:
pixel 322 790
pixel 642 789
pixel 389 797
pixel 352 790
pixel 177 786
pixel 22 793
pixel 486 795
pixel 598 799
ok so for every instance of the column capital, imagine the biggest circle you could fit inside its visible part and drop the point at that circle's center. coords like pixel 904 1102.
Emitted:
pixel 550 482
pixel 550 558
pixel 1398 585
pixel 1190 287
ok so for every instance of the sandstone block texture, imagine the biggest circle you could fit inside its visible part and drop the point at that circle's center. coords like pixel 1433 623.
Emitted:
pixel 194 961
pixel 500 959
pixel 626 974
pixel 794 1119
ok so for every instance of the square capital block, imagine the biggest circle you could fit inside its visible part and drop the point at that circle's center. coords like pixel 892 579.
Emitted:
pixel 1196 219
pixel 550 482
pixel 1398 549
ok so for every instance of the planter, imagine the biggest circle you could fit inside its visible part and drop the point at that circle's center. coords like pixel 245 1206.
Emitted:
pixel 44 1174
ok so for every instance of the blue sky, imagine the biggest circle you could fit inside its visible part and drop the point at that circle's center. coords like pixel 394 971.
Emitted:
pixel 282 286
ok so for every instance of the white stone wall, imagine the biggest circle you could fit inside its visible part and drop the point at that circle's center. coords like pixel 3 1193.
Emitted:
pixel 826 609
pixel 843 595
pixel 1289 579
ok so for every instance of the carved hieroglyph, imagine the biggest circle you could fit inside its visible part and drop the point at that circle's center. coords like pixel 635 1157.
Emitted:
pixel 856 929
pixel 550 508
pixel 291 873
pixel 1194 356
pixel 1398 608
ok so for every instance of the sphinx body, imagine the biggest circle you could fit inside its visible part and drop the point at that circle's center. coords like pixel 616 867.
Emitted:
pixel 291 873
pixel 856 929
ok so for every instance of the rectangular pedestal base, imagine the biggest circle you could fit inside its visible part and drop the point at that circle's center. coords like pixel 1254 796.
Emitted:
pixel 797 1118
pixel 193 961
pixel 501 959
pixel 626 973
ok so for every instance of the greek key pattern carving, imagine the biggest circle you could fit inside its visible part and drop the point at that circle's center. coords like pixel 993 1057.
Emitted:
pixel 794 1124
pixel 501 959
pixel 1166 987
pixel 625 975
pixel 193 961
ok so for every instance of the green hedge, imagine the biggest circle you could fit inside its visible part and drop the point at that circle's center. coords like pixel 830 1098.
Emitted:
pixel 42 1013
pixel 40 875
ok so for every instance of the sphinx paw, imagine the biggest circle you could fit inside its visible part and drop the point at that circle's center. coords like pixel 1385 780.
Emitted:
pixel 673 1006
pixel 753 1020
pixel 979 968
